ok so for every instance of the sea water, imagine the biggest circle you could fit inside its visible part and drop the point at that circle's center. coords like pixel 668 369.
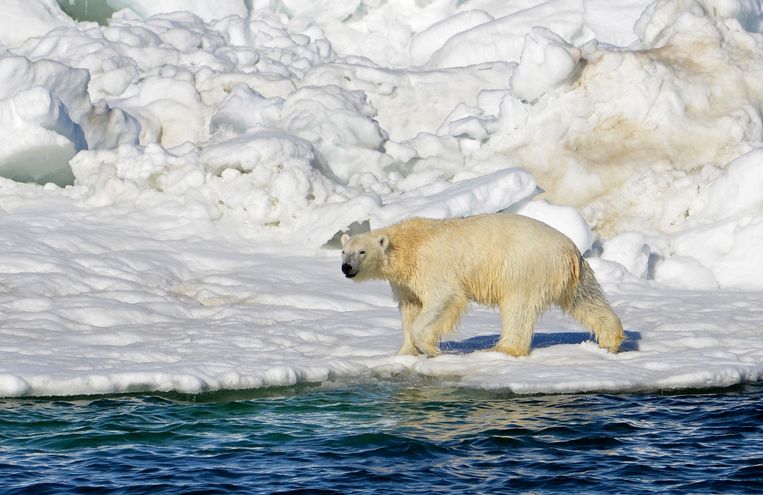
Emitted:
pixel 384 438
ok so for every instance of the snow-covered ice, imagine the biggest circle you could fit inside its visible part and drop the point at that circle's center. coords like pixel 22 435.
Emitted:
pixel 171 182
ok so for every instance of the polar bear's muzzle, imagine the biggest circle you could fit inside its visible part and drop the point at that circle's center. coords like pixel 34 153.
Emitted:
pixel 348 270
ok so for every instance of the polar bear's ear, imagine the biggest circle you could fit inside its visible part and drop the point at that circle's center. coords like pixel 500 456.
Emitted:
pixel 384 242
pixel 345 238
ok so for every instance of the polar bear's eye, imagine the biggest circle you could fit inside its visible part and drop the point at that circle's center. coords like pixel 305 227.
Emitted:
pixel 362 252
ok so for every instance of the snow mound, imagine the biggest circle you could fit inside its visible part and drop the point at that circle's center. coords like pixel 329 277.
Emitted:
pixel 39 139
pixel 547 61
pixel 425 43
pixel 503 38
pixel 46 117
pixel 725 234
pixel 33 18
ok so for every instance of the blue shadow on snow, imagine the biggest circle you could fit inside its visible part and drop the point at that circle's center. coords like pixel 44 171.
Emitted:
pixel 540 340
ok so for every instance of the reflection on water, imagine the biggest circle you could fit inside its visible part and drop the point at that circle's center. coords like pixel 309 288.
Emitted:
pixel 446 414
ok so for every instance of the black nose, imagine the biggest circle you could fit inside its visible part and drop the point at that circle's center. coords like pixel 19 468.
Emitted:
pixel 346 268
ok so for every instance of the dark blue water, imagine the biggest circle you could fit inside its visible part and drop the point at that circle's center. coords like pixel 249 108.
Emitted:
pixel 384 438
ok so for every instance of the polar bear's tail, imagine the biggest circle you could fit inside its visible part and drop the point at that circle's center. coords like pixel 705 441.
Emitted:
pixel 589 307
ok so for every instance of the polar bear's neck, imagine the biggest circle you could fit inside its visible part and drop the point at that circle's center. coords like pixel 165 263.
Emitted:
pixel 405 242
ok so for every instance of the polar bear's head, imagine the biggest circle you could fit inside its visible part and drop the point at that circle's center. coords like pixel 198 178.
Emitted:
pixel 362 254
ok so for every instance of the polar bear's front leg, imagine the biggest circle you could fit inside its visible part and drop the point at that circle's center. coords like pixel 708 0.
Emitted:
pixel 437 318
pixel 408 313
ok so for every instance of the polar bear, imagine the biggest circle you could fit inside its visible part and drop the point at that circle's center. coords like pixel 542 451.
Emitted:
pixel 521 265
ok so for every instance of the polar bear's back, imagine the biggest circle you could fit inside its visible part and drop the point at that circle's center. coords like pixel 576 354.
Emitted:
pixel 497 234
pixel 486 254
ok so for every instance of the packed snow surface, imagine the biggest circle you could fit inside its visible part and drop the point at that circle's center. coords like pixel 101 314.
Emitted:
pixel 172 180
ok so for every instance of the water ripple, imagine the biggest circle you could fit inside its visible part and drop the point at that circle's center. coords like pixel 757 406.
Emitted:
pixel 384 439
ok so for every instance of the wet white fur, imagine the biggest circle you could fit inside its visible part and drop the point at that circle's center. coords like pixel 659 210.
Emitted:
pixel 520 265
